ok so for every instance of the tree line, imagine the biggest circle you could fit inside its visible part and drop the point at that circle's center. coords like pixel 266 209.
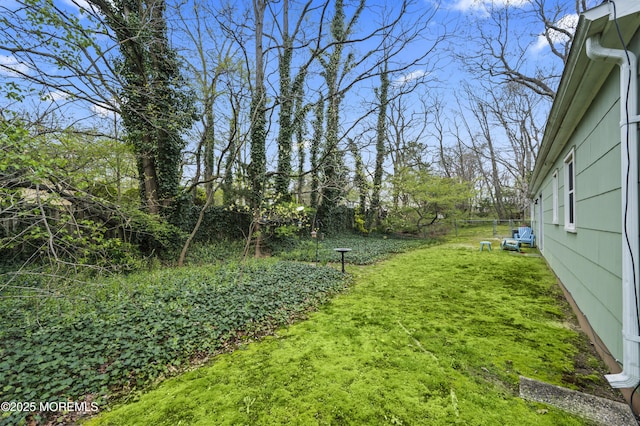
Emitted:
pixel 124 116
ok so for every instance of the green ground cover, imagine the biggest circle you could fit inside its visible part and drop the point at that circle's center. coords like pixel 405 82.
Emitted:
pixel 436 336
pixel 365 249
pixel 91 341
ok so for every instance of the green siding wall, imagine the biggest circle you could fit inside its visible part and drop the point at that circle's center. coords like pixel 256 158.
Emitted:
pixel 588 262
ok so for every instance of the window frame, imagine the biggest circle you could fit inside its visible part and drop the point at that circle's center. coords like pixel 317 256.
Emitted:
pixel 555 219
pixel 570 191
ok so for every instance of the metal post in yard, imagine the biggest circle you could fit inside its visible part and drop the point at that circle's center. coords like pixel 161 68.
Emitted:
pixel 342 251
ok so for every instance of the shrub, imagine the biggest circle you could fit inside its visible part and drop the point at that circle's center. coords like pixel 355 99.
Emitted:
pixel 153 235
pixel 220 223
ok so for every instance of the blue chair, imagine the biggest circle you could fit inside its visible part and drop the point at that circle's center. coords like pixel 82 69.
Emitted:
pixel 510 244
pixel 525 235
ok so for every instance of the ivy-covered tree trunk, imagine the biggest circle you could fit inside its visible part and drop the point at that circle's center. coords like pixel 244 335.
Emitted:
pixel 205 151
pixel 257 166
pixel 318 127
pixel 285 133
pixel 332 165
pixel 299 128
pixel 147 172
pixel 381 136
pixel 155 107
pixel 228 192
pixel 290 100
pixel 209 142
pixel 334 69
pixel 360 178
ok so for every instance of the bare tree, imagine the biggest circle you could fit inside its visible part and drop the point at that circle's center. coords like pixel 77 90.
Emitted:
pixel 503 131
pixel 515 110
pixel 398 29
pixel 214 64
pixel 503 44
pixel 407 129
pixel 504 127
pixel 209 57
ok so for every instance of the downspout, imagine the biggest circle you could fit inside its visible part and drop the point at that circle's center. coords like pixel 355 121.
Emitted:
pixel 630 375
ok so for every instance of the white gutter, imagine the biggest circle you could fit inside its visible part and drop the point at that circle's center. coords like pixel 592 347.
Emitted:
pixel 630 375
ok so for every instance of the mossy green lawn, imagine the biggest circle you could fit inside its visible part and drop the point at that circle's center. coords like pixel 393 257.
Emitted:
pixel 437 336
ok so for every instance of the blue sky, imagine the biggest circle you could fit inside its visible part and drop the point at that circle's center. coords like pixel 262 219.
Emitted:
pixel 452 13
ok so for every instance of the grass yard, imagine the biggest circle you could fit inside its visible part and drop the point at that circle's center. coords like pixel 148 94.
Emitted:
pixel 436 336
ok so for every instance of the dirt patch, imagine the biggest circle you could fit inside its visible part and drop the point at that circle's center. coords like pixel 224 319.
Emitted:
pixel 588 374
pixel 588 368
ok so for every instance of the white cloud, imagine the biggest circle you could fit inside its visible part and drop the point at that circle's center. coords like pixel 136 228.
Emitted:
pixel 413 75
pixel 101 110
pixel 467 5
pixel 55 96
pixel 10 66
pixel 82 5
pixel 483 6
pixel 78 4
pixel 105 109
pixel 567 22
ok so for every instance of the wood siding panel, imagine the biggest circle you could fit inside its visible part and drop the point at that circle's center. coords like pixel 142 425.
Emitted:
pixel 588 262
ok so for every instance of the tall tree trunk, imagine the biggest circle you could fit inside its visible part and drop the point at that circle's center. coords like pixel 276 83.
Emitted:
pixel 332 166
pixel 285 132
pixel 227 184
pixel 494 176
pixel 381 136
pixel 149 183
pixel 360 178
pixel 299 131
pixel 209 143
pixel 318 126
pixel 156 108
pixel 257 166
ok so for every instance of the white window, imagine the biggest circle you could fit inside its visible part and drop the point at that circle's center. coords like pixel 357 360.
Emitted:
pixel 555 219
pixel 540 237
pixel 570 192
